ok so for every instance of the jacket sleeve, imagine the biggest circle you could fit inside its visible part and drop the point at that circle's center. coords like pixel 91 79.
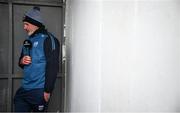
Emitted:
pixel 20 65
pixel 52 64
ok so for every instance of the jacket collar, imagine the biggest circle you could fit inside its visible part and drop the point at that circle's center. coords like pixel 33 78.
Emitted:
pixel 40 30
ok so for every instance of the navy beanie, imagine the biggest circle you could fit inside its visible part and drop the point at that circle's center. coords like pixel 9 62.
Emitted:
pixel 33 16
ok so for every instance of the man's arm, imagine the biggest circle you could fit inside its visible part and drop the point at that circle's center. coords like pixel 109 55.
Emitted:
pixel 52 64
pixel 20 60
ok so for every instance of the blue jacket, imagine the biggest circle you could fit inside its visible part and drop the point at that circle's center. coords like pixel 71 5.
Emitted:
pixel 42 72
pixel 34 73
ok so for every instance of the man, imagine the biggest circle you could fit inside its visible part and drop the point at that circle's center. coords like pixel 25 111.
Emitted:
pixel 40 64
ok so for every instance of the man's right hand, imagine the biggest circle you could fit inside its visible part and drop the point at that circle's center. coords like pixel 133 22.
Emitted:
pixel 26 60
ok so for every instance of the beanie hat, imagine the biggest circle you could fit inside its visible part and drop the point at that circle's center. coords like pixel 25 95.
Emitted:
pixel 33 16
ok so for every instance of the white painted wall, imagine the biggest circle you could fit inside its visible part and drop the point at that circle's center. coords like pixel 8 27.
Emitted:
pixel 84 56
pixel 123 55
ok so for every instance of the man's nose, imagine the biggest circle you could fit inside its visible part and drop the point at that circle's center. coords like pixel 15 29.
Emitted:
pixel 25 27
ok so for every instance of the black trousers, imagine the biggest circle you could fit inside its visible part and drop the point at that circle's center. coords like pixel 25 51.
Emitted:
pixel 30 100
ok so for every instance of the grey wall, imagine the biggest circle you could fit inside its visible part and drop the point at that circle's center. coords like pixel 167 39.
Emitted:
pixel 124 55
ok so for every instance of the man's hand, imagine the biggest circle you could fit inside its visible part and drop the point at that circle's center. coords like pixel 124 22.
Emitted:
pixel 26 60
pixel 46 96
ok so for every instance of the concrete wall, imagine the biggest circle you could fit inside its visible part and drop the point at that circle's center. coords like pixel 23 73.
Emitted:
pixel 123 55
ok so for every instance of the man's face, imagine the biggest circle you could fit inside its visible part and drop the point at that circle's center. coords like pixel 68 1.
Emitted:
pixel 29 28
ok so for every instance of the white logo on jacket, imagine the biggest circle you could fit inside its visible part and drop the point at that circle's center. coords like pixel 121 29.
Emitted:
pixel 35 44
